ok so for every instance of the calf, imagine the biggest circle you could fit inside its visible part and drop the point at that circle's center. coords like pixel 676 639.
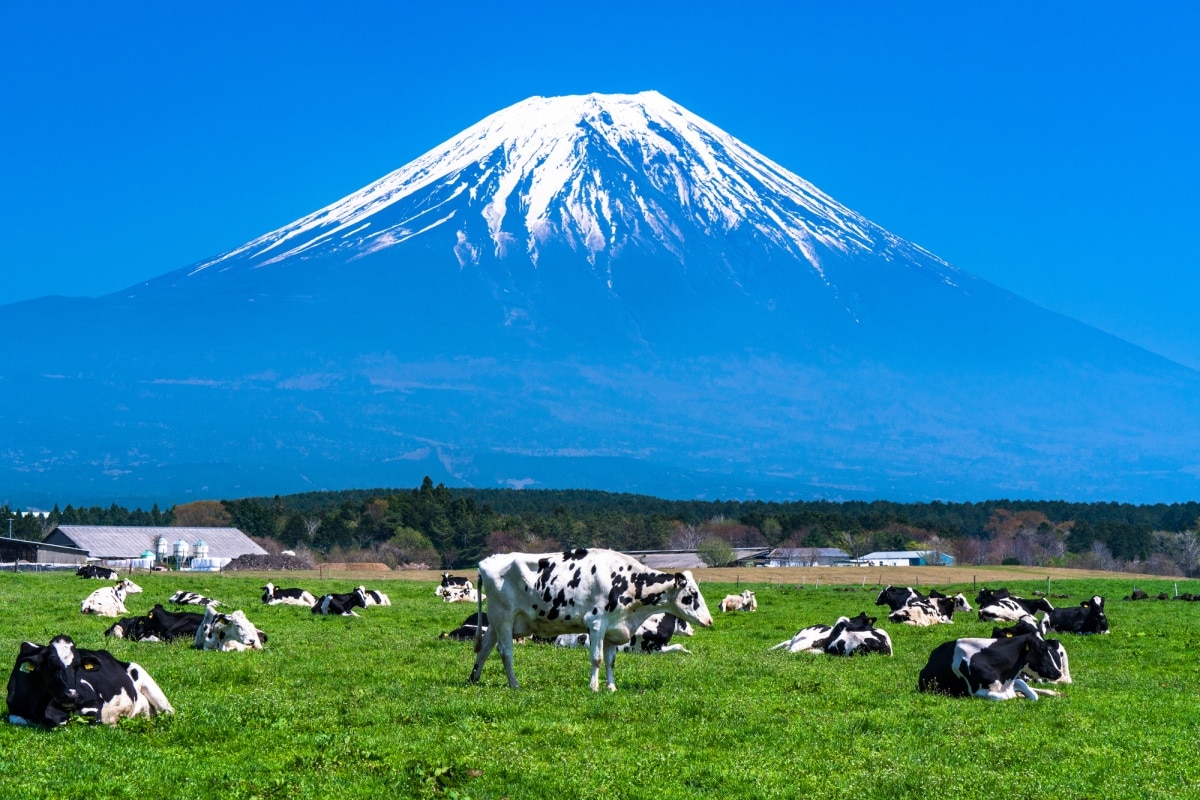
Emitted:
pixel 1089 617
pixel 466 631
pixel 182 598
pixel 991 668
pixel 343 604
pixel 109 601
pixel 51 682
pixel 274 596
pixel 93 571
pixel 739 602
pixel 602 593
pixel 227 632
pixel 375 598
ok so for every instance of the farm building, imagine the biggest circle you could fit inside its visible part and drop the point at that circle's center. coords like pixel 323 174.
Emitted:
pixel 905 558
pixel 805 557
pixel 208 547
pixel 689 559
pixel 17 550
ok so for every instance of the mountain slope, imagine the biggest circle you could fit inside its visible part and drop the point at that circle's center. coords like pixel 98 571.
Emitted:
pixel 595 291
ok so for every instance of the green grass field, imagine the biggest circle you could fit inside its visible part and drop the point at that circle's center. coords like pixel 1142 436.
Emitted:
pixel 379 707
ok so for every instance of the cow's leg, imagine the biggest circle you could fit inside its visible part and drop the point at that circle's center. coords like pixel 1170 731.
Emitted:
pixel 610 660
pixel 483 648
pixel 597 647
pixel 504 644
pixel 1022 687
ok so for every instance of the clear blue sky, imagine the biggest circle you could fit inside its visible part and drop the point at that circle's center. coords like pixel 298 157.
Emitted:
pixel 1051 148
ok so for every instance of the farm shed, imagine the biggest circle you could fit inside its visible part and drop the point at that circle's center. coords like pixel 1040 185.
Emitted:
pixel 805 557
pixel 905 558
pixel 120 543
pixel 688 559
pixel 13 550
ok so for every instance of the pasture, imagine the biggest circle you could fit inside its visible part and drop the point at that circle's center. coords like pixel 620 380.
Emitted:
pixel 379 707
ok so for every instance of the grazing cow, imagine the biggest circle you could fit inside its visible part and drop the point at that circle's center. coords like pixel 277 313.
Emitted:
pixel 466 631
pixel 227 632
pixel 182 598
pixel 343 604
pixel 450 582
pixel 51 682
pixel 274 596
pixel 654 636
pixel 991 668
pixel 109 601
pixel 94 571
pixel 606 594
pixel 857 635
pixel 375 598
pixel 739 602
pixel 1089 617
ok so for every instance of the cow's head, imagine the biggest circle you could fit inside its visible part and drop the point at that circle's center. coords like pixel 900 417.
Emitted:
pixel 1047 659
pixel 960 603
pixel 688 602
pixel 988 597
pixel 1097 620
pixel 130 587
pixel 30 697
pixel 860 623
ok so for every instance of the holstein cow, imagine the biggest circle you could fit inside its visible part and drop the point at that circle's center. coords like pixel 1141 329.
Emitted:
pixel 1029 626
pixel 1011 609
pixel 602 593
pixel 654 636
pixel 739 602
pixel 227 632
pixel 343 604
pixel 845 637
pixel 466 631
pixel 375 598
pixel 159 625
pixel 897 597
pixel 182 598
pixel 51 682
pixel 109 601
pixel 274 596
pixel 936 609
pixel 460 594
pixel 991 668
pixel 93 571
pixel 1089 617
pixel 452 582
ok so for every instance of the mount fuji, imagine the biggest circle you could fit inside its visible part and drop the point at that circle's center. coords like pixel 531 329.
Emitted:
pixel 601 291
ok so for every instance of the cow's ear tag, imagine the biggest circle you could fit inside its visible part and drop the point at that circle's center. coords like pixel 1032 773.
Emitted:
pixel 88 665
pixel 28 666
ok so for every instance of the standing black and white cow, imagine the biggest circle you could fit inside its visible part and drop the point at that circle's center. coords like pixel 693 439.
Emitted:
pixel 51 682
pixel 991 668
pixel 273 596
pixel 341 604
pixel 603 593
pixel 94 571
pixel 1089 617
pixel 109 601
pixel 182 598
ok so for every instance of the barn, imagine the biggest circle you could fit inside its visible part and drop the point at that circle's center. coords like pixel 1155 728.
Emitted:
pixel 193 548
pixel 905 558
pixel 805 557
pixel 14 551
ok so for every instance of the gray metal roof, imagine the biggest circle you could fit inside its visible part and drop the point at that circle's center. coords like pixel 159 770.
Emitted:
pixel 832 552
pixel 118 541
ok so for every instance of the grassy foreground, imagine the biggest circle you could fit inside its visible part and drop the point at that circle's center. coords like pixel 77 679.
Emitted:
pixel 379 707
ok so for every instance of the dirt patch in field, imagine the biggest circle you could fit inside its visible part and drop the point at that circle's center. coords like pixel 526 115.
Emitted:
pixel 354 566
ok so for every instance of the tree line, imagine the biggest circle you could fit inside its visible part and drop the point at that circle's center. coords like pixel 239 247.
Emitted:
pixel 437 526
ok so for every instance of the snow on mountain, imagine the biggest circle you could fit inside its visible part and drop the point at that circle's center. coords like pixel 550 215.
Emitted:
pixel 597 172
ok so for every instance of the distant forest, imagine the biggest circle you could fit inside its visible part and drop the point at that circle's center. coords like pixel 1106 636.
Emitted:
pixel 436 526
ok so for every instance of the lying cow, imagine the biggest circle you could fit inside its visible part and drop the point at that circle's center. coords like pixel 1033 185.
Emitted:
pixel 375 598
pixel 273 596
pixel 182 598
pixel 51 682
pixel 460 594
pixel 341 604
pixel 602 593
pixel 654 636
pixel 159 625
pixel 897 597
pixel 466 631
pixel 1002 606
pixel 101 573
pixel 453 583
pixel 109 601
pixel 1029 626
pixel 847 636
pixel 227 632
pixel 739 602
pixel 1089 617
pixel 991 668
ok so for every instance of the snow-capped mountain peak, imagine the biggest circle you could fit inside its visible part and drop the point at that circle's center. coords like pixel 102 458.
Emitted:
pixel 595 172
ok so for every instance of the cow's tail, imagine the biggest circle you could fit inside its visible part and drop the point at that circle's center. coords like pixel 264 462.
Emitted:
pixel 479 613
